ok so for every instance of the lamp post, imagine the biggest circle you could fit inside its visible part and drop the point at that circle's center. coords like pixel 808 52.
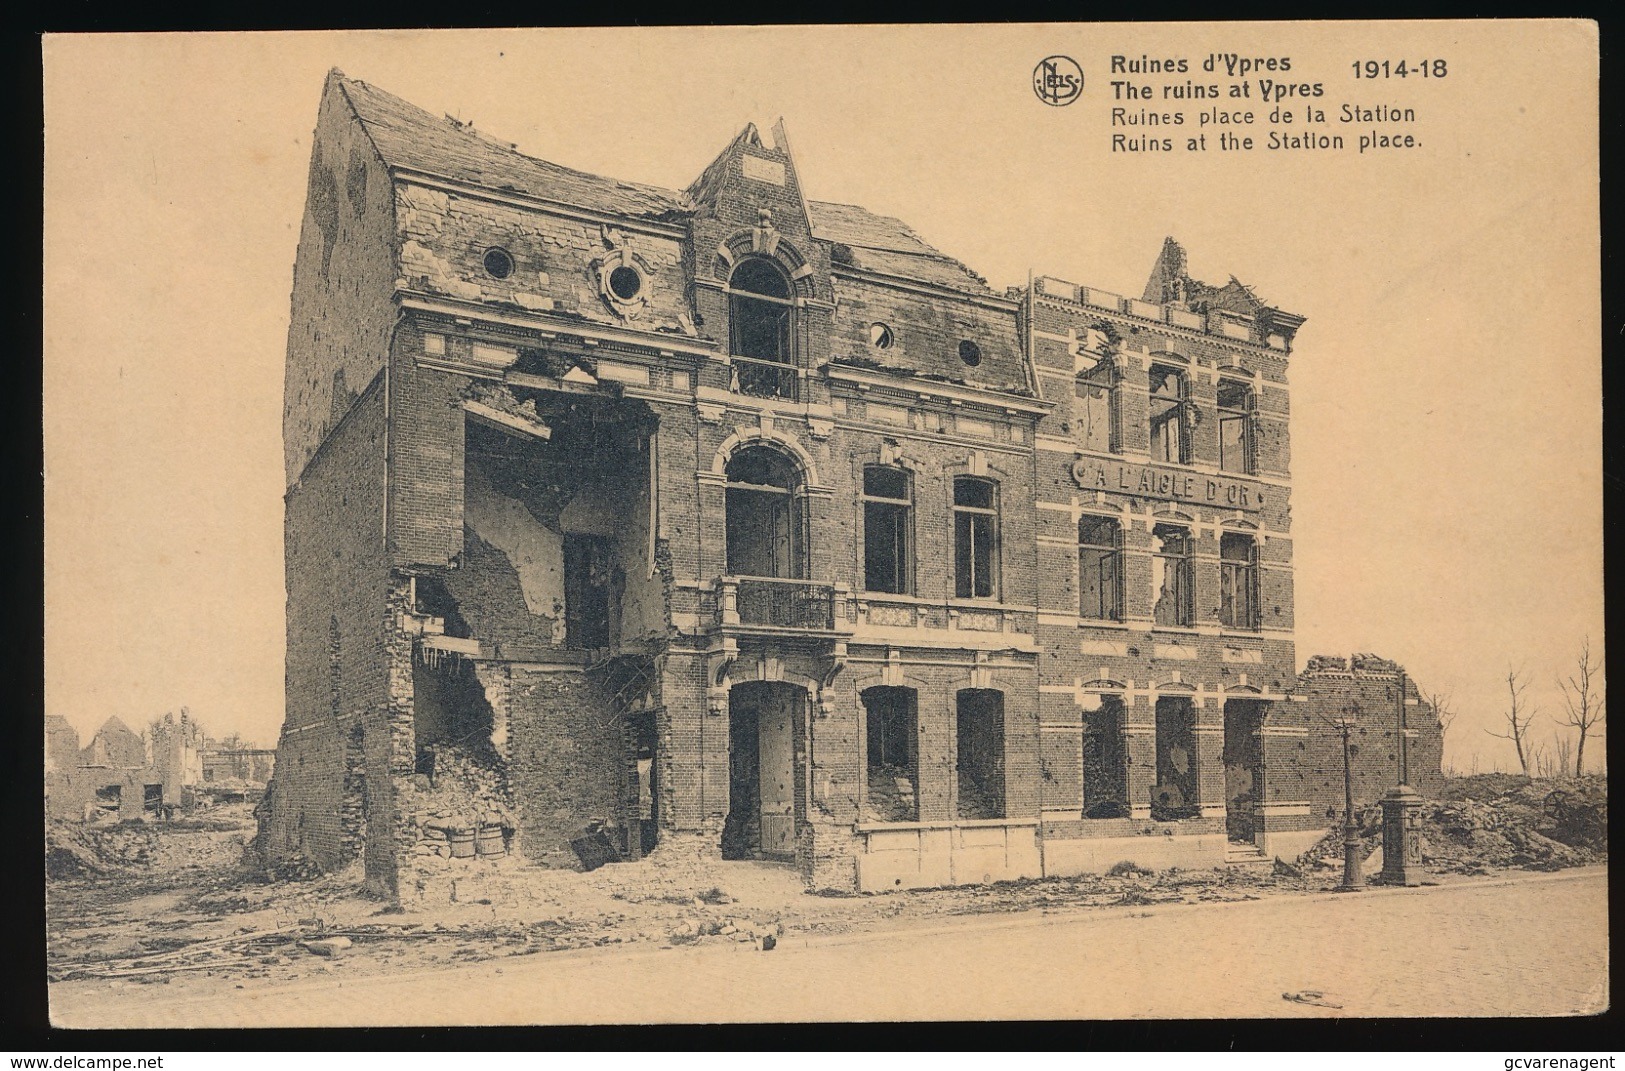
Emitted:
pixel 1352 879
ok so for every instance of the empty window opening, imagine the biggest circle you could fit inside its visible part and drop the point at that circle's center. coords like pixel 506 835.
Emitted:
pixel 449 709
pixel 980 759
pixel 761 771
pixel 1238 581
pixel 880 336
pixel 1243 767
pixel 590 596
pixel 1236 414
pixel 976 528
pixel 764 515
pixel 498 263
pixel 1100 569
pixel 970 353
pixel 893 754
pixel 1171 575
pixel 1168 415
pixel 887 525
pixel 1105 761
pixel 1096 415
pixel 625 282
pixel 760 307
pixel 1174 795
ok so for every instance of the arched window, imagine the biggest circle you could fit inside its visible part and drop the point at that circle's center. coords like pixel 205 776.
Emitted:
pixel 760 319
pixel 888 510
pixel 976 535
pixel 764 515
pixel 1100 572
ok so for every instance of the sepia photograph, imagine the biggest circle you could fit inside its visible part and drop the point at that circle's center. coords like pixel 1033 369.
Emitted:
pixel 688 525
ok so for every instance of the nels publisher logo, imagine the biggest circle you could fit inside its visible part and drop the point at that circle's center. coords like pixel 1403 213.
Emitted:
pixel 1058 80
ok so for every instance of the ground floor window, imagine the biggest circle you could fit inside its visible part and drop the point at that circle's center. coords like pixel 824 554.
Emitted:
pixel 1175 793
pixel 1105 761
pixel 890 720
pixel 980 761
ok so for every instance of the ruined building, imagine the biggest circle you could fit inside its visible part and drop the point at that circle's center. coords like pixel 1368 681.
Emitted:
pixel 724 513
pixel 111 778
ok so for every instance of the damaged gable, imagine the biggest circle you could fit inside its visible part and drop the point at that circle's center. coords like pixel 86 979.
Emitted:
pixel 1171 283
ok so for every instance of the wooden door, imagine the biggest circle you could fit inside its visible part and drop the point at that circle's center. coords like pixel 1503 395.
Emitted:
pixel 776 744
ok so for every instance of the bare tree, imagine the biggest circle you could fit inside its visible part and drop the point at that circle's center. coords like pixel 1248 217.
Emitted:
pixel 1519 715
pixel 1445 712
pixel 1562 753
pixel 1585 699
pixel 1540 763
pixel 1441 702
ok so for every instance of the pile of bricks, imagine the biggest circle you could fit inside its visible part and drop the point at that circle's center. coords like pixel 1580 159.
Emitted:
pixel 468 793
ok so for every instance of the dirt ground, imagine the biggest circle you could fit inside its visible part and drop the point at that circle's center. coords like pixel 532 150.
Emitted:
pixel 141 906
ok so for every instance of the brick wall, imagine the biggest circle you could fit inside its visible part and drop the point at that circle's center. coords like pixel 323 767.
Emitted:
pixel 343 281
pixel 567 759
pixel 337 666
pixel 1370 698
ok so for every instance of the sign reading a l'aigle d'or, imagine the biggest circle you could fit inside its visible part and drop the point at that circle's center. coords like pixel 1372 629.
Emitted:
pixel 1147 481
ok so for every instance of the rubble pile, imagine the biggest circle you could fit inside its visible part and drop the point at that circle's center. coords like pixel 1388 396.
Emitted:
pixel 467 794
pixel 1496 822
pixel 891 795
pixel 77 850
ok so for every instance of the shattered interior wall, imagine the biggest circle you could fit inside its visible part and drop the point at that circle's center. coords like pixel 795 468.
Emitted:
pixel 567 758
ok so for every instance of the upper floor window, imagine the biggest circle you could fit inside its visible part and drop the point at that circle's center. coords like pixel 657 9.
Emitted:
pixel 1100 572
pixel 1172 578
pixel 1168 440
pixel 1236 407
pixel 763 525
pixel 1238 581
pixel 887 516
pixel 759 312
pixel 976 533
pixel 1097 409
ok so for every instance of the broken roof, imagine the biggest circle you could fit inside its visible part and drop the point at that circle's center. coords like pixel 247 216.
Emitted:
pixel 407 136
pixel 886 244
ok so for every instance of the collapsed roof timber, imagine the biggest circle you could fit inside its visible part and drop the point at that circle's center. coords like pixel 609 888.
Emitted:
pixel 620 517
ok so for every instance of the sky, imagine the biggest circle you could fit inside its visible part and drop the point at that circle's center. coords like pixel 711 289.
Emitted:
pixel 1446 413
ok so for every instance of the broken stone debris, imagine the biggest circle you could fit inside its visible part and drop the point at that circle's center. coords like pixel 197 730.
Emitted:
pixel 327 946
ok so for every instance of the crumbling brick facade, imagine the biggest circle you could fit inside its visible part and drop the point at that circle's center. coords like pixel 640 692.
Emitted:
pixel 632 513
pixel 1390 742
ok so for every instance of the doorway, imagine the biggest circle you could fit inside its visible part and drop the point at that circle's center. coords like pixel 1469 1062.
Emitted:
pixel 1243 768
pixel 589 569
pixel 761 820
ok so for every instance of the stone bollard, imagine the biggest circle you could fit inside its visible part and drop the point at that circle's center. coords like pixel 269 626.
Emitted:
pixel 1401 836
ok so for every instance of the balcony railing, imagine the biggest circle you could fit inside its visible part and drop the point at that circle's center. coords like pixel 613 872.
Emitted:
pixel 765 379
pixel 788 604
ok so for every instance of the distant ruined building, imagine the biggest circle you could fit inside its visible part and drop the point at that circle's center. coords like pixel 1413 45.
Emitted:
pixel 725 514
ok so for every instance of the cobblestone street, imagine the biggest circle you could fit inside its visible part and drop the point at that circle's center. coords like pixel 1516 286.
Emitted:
pixel 1517 946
